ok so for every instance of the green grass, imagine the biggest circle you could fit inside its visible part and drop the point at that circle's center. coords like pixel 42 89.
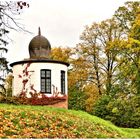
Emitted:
pixel 46 122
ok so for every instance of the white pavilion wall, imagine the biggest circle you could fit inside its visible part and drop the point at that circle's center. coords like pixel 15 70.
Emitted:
pixel 31 72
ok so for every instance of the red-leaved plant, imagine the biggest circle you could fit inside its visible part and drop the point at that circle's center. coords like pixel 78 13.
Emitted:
pixel 40 99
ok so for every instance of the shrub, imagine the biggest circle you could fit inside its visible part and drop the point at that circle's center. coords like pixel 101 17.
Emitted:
pixel 9 100
pixel 123 112
pixel 100 108
pixel 2 98
pixel 92 95
pixel 44 100
pixel 76 100
pixel 8 85
pixel 40 99
pixel 35 99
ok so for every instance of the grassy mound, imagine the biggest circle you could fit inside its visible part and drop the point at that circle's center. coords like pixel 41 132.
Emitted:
pixel 45 122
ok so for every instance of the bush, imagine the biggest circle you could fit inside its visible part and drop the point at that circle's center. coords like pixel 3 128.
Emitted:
pixel 2 98
pixel 35 99
pixel 8 85
pixel 9 100
pixel 76 100
pixel 40 99
pixel 123 112
pixel 92 95
pixel 100 108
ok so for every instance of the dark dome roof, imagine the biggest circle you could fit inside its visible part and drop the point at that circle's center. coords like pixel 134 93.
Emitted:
pixel 39 47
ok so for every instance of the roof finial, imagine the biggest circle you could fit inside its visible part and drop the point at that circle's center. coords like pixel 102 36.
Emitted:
pixel 39 31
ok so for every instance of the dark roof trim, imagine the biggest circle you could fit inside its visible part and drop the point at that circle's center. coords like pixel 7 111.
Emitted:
pixel 39 61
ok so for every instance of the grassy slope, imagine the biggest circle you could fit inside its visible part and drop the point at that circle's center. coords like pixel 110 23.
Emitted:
pixel 45 122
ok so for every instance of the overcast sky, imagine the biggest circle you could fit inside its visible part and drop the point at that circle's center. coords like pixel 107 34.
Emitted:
pixel 61 22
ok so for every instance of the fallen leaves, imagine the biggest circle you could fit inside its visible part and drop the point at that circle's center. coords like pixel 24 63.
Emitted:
pixel 30 123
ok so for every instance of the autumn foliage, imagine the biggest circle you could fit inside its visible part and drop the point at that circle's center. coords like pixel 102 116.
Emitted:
pixel 105 66
pixel 43 122
pixel 104 71
pixel 40 99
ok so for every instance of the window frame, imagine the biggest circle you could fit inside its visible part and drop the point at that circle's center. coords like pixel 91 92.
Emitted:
pixel 46 77
pixel 63 82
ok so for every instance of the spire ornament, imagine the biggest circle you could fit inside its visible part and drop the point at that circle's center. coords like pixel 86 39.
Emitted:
pixel 39 31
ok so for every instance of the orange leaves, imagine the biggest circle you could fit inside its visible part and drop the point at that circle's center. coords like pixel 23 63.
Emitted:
pixel 44 122
pixel 92 95
pixel 79 73
pixel 23 123
pixel 61 54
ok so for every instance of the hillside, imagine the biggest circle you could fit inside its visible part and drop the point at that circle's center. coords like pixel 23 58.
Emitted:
pixel 45 122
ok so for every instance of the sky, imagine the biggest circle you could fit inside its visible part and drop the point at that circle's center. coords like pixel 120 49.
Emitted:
pixel 61 22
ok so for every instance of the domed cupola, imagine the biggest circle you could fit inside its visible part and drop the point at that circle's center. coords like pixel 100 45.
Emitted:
pixel 39 47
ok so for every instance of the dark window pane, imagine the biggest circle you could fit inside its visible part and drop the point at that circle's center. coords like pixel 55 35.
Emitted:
pixel 43 89
pixel 63 82
pixel 48 74
pixel 46 81
pixel 42 80
pixel 42 73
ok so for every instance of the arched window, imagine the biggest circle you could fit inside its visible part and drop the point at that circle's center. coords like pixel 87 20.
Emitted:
pixel 46 81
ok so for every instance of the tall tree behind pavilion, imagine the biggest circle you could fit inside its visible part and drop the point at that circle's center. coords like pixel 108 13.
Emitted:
pixel 9 11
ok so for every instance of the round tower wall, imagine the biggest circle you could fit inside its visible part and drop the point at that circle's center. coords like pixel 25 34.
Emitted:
pixel 27 78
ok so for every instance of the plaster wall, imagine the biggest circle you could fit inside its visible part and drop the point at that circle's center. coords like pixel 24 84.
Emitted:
pixel 34 77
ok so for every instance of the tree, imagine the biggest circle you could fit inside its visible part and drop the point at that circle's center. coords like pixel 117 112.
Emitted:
pixel 8 13
pixel 128 17
pixel 61 54
pixel 126 89
pixel 101 47
pixel 98 46
pixel 77 75
pixel 130 68
pixel 92 95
